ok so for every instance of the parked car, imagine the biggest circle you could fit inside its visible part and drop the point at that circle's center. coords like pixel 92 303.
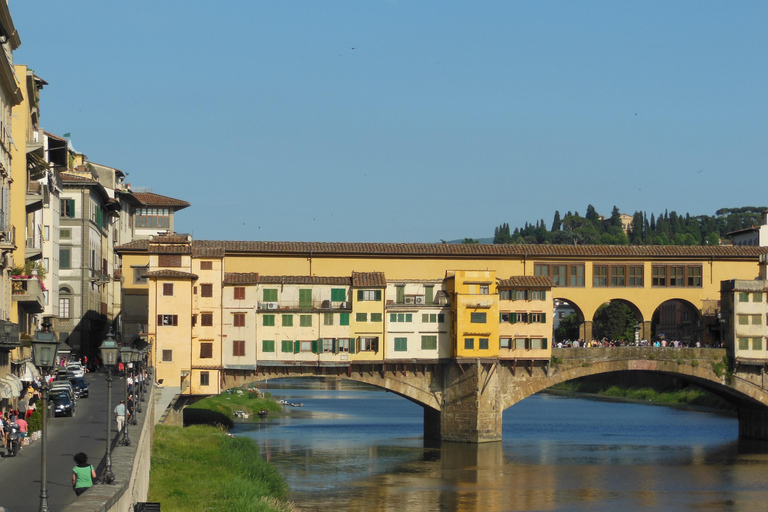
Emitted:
pixel 63 405
pixel 63 374
pixel 76 369
pixel 64 385
pixel 80 385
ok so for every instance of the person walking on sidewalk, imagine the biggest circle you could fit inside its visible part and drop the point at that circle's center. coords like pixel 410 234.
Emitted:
pixel 120 413
pixel 83 474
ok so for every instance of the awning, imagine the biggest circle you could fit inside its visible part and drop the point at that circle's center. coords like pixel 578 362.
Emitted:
pixel 16 385
pixel 6 392
pixel 29 372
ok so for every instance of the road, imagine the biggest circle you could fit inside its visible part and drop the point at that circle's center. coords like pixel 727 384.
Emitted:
pixel 85 432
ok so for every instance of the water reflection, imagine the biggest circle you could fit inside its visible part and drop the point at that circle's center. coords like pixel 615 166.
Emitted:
pixel 352 447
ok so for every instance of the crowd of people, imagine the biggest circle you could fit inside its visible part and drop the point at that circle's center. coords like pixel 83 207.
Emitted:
pixel 603 343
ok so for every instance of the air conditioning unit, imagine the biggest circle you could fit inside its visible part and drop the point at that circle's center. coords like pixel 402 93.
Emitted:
pixel 420 300
pixel 271 305
pixel 409 300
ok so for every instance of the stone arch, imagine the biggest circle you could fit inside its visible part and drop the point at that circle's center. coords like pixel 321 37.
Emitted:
pixel 680 319
pixel 578 310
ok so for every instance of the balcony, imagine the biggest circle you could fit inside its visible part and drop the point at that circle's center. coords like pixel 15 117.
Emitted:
pixel 315 305
pixel 28 293
pixel 35 192
pixel 33 248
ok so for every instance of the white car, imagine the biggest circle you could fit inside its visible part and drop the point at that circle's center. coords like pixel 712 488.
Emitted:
pixel 76 369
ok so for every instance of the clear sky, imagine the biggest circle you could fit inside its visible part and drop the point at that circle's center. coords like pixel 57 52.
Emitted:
pixel 409 121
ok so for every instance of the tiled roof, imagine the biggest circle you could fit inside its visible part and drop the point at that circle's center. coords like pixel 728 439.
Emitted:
pixel 342 281
pixel 527 282
pixel 134 245
pixel 473 250
pixel 169 249
pixel 150 199
pixel 170 273
pixel 241 278
pixel 207 251
pixel 170 239
pixel 369 279
pixel 76 178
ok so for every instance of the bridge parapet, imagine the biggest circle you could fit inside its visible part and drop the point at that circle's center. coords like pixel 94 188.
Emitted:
pixel 638 353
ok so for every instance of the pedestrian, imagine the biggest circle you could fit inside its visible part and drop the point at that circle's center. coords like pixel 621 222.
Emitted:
pixel 83 474
pixel 120 413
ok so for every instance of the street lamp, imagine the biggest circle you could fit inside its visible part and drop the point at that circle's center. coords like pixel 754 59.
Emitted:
pixel 138 381
pixel 44 347
pixel 109 351
pixel 125 355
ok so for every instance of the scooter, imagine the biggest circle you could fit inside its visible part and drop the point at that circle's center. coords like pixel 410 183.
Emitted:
pixel 13 439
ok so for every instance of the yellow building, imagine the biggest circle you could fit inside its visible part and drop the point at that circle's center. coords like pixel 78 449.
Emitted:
pixel 525 317
pixel 474 313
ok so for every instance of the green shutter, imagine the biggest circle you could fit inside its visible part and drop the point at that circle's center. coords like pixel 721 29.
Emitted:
pixel 315 343
pixel 360 295
pixel 352 345
pixel 297 346
pixel 429 297
pixel 305 299
pixel 378 294
pixel 71 208
pixel 408 317
pixel 400 299
pixel 343 318
pixel 513 318
pixel 543 295
pixel 393 317
pixel 500 319
pixel 543 318
pixel 338 294
pixel 544 343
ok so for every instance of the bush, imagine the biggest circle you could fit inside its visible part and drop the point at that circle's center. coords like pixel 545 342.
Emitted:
pixel 35 422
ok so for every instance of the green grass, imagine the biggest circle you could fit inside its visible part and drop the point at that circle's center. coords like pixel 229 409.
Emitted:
pixel 219 409
pixel 201 468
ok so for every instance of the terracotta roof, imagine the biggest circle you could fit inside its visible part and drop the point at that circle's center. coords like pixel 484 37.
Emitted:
pixel 150 199
pixel 134 245
pixel 527 282
pixel 473 250
pixel 169 249
pixel 342 281
pixel 369 279
pixel 76 178
pixel 240 278
pixel 207 251
pixel 170 239
pixel 170 273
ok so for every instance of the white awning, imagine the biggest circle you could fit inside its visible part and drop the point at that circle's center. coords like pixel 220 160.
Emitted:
pixel 29 372
pixel 16 385
pixel 6 392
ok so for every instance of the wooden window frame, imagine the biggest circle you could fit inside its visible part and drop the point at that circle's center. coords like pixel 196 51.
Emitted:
pixel 167 289
pixel 564 275
pixel 206 319
pixel 206 290
pixel 238 319
pixel 676 276
pixel 169 260
pixel 206 350
pixel 238 348
pixel 238 293
pixel 206 265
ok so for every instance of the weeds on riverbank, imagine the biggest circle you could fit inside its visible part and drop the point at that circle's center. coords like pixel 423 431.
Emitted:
pixel 689 396
pixel 201 468
pixel 219 409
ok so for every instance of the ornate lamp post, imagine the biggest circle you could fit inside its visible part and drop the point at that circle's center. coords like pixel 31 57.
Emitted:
pixel 125 355
pixel 109 351
pixel 44 347
pixel 138 381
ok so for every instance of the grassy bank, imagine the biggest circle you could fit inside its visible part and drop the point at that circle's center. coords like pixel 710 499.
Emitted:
pixel 219 409
pixel 201 468
pixel 691 396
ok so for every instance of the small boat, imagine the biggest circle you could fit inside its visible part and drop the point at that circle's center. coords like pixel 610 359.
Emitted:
pixel 296 404
pixel 241 414
pixel 263 412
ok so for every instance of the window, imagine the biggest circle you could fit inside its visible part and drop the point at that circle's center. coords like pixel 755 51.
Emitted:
pixel 537 295
pixel 375 317
pixel 204 379
pixel 757 343
pixel 361 317
pixel 484 289
pixel 64 307
pixel 477 318
pixel 483 343
pixel 401 344
pixel 505 294
pixel 431 318
pixel 206 290
pixel 206 319
pixel 167 356
pixel 206 265
pixel 238 320
pixel 757 319
pixel 743 343
pixel 65 257
pixel 676 276
pixel 305 320
pixel 694 276
pixel 238 348
pixel 743 297
pixel 327 318
pixel 400 317
pixel 168 289
pixel 206 350
pixel 599 276
pixel 267 345
pixel 138 274
pixel 65 234
pixel 306 346
pixel 538 343
pixel 287 320
pixel 268 320
pixel 286 346
pixel 519 343
pixel 153 217
pixel 400 294
pixel 369 344
pixel 270 295
pixel 618 276
pixel 68 208
pixel 429 294
pixel 329 345
pixel 168 320
pixel 169 260
pixel 239 293
pixel 635 275
pixel 305 299
pixel 757 297
pixel 505 317
pixel 343 318
pixel 343 344
pixel 469 343
pixel 363 295
pixel 537 318
pixel 429 342
pixel 338 294
pixel 505 343
pixel 561 274
pixel 743 319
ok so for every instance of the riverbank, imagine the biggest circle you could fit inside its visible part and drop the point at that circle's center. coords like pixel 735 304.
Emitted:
pixel 220 409
pixel 691 398
pixel 202 468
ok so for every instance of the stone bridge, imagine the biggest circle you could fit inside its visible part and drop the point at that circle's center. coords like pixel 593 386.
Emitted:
pixel 463 400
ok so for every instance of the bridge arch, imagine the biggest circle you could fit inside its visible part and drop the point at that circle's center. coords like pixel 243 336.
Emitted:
pixel 679 319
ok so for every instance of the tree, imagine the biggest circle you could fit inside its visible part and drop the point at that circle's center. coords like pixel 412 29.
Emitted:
pixel 568 328
pixel 556 223
pixel 615 221
pixel 614 321
pixel 470 241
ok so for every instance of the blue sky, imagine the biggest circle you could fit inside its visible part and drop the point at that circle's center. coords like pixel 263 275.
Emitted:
pixel 395 121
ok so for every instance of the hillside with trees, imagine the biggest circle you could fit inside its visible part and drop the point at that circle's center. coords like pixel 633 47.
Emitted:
pixel 667 228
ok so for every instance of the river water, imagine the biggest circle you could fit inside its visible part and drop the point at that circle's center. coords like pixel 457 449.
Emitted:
pixel 355 448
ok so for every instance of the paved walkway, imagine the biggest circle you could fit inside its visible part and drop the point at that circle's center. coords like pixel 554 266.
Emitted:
pixel 85 432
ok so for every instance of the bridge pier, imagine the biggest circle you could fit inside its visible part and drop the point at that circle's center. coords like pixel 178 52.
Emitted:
pixel 585 330
pixel 471 408
pixel 753 423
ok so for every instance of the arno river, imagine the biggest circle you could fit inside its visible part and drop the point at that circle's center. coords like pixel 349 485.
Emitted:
pixel 355 448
